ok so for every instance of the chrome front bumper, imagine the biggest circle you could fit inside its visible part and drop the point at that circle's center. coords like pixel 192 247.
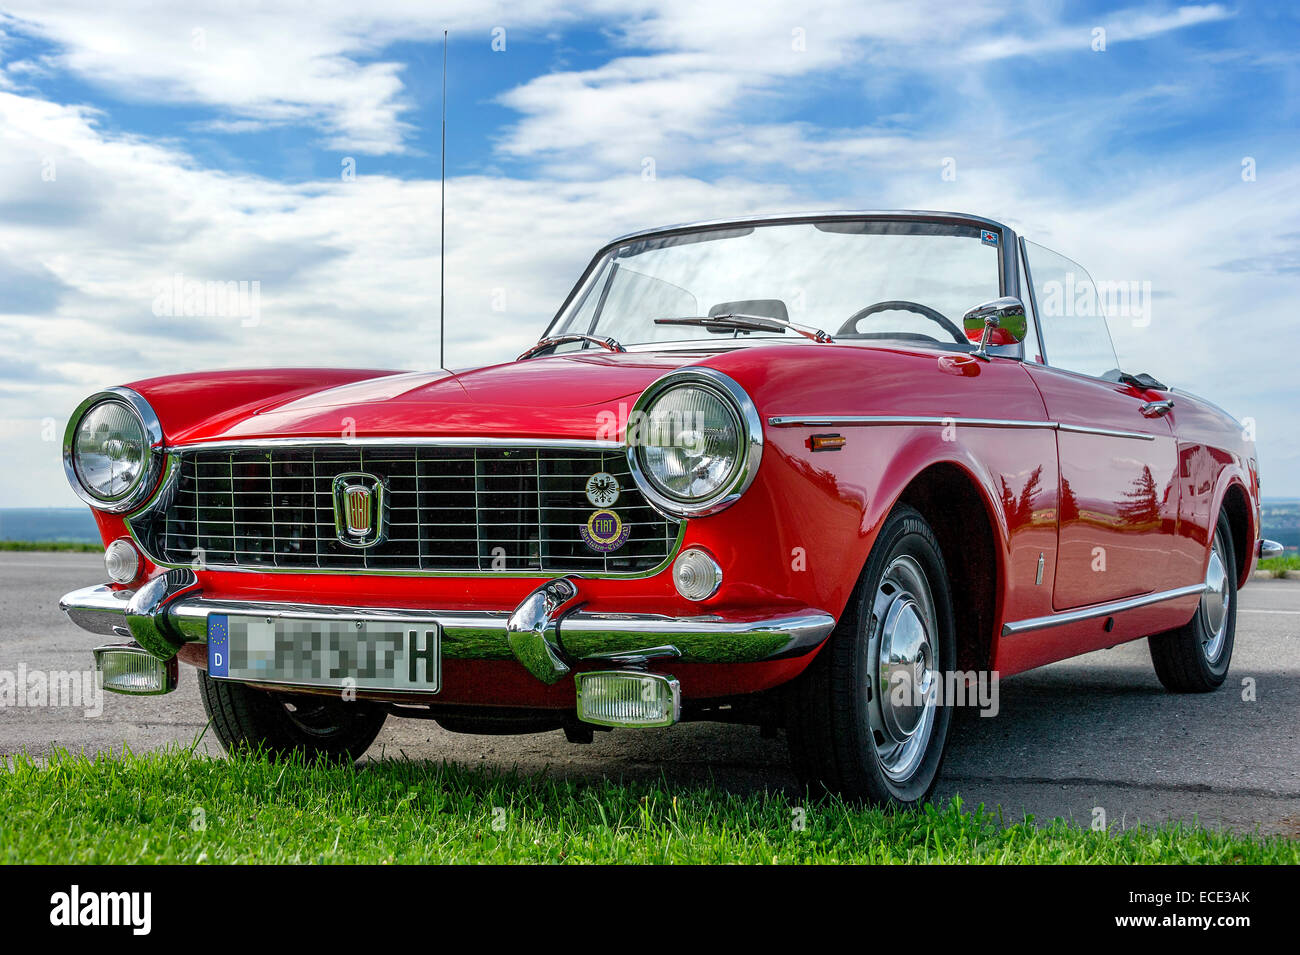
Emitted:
pixel 549 632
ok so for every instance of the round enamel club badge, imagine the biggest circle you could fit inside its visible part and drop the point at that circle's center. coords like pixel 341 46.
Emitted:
pixel 602 489
pixel 604 531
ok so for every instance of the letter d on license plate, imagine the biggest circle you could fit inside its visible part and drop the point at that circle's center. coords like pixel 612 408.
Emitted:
pixel 391 654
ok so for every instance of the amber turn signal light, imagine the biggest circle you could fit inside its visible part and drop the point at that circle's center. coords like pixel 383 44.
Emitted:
pixel 826 442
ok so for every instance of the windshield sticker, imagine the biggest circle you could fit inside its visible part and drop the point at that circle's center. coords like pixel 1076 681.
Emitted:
pixel 988 237
pixel 605 531
pixel 602 489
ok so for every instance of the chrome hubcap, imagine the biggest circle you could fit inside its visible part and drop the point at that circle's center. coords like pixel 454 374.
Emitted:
pixel 1214 603
pixel 904 664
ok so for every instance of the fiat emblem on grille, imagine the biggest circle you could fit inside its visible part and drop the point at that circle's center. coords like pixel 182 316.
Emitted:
pixel 359 505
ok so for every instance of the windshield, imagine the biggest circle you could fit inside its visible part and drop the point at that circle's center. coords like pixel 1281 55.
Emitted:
pixel 909 280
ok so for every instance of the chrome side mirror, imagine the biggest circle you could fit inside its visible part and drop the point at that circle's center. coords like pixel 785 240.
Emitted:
pixel 999 322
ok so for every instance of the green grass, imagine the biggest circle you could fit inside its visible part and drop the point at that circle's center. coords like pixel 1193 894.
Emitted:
pixel 1280 566
pixel 79 546
pixel 128 808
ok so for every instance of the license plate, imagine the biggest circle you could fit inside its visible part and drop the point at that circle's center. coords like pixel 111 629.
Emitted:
pixel 363 654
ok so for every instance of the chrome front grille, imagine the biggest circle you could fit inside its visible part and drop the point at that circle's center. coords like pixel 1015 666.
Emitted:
pixel 448 509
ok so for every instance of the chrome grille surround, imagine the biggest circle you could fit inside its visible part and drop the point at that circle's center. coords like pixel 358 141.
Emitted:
pixel 455 507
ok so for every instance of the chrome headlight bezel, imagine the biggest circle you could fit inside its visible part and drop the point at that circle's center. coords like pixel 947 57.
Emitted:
pixel 750 440
pixel 135 495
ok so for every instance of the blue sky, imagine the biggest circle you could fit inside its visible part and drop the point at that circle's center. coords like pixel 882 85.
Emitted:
pixel 140 141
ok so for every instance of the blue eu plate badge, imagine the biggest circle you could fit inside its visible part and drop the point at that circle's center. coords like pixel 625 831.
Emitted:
pixel 218 645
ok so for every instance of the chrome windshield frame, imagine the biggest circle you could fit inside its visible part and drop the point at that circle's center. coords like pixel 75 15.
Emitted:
pixel 1008 248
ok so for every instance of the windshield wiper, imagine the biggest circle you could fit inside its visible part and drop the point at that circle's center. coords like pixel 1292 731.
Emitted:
pixel 609 344
pixel 741 322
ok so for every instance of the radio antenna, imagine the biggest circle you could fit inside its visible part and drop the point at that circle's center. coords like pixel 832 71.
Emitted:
pixel 442 203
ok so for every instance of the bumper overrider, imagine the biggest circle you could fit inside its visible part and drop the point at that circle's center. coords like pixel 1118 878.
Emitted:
pixel 549 632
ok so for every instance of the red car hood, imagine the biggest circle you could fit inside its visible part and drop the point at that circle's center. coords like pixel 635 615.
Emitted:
pixel 559 397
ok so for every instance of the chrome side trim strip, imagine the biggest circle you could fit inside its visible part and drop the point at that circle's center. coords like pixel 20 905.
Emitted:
pixel 827 421
pixel 583 444
pixel 789 421
pixel 1081 429
pixel 1100 610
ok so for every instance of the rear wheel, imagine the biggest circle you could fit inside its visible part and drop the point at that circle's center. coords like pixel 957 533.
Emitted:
pixel 1194 658
pixel 868 719
pixel 282 724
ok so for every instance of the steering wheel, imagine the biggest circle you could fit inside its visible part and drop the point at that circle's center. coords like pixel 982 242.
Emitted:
pixel 940 319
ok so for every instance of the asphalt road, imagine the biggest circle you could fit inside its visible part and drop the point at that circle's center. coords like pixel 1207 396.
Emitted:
pixel 1097 731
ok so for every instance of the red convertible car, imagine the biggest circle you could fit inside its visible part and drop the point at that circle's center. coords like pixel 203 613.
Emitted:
pixel 817 473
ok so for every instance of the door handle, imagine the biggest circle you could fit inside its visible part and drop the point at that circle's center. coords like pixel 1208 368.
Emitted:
pixel 1156 409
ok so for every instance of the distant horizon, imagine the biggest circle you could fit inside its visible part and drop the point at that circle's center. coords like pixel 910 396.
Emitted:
pixel 76 525
pixel 87 508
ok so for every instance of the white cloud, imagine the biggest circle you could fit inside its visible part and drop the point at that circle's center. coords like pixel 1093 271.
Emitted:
pixel 720 66
pixel 321 64
pixel 348 270
pixel 296 62
pixel 1119 27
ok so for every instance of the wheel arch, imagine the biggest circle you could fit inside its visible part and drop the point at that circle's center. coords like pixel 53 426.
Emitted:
pixel 958 509
pixel 1235 503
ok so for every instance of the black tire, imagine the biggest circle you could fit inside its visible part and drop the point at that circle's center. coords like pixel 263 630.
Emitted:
pixel 284 724
pixel 1190 659
pixel 830 723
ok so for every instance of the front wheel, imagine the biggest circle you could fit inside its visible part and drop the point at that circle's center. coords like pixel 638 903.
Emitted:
pixel 868 719
pixel 281 724
pixel 1194 658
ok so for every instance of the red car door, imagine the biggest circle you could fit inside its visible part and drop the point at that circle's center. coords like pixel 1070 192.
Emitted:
pixel 1118 494
pixel 1118 457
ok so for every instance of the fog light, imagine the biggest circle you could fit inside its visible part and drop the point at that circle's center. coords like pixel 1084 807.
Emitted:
pixel 628 698
pixel 128 668
pixel 697 575
pixel 122 561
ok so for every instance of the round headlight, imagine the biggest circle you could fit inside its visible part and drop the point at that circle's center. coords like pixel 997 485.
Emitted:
pixel 694 442
pixel 110 450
